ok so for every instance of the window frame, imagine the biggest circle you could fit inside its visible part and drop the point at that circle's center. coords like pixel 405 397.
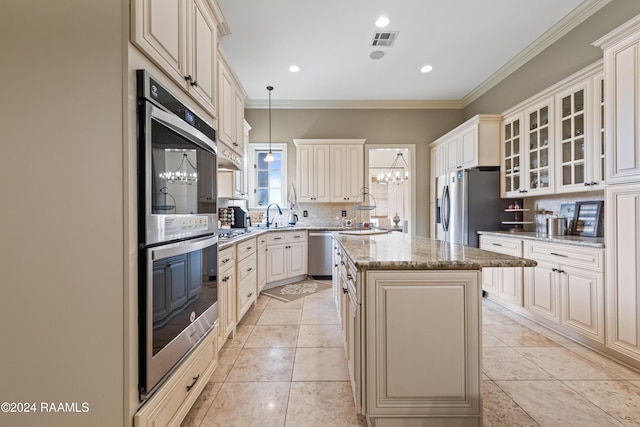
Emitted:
pixel 251 173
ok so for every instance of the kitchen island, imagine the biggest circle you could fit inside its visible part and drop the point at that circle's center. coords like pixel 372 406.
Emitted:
pixel 411 316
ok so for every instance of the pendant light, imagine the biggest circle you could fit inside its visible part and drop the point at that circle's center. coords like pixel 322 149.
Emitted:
pixel 269 157
pixel 393 176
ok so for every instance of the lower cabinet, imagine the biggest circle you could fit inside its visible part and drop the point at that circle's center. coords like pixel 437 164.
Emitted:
pixel 567 287
pixel 505 284
pixel 246 271
pixel 622 228
pixel 262 262
pixel 286 255
pixel 173 400
pixel 227 293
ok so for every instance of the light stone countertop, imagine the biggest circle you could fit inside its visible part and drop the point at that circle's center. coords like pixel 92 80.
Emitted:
pixel 257 231
pixel 591 242
pixel 400 251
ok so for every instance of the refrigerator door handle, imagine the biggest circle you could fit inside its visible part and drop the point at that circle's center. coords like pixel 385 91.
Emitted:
pixel 446 208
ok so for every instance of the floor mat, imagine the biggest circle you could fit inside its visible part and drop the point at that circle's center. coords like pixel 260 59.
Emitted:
pixel 297 290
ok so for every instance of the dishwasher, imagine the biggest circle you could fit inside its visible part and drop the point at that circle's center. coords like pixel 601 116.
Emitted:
pixel 320 255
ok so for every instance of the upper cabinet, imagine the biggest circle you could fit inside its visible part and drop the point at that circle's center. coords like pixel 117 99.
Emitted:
pixel 622 100
pixel 231 106
pixel 181 38
pixel 473 143
pixel 329 170
pixel 553 142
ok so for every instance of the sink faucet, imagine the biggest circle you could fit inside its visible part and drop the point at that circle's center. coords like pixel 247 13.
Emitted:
pixel 268 207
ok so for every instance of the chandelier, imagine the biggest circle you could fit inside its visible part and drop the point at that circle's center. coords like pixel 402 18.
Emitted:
pixel 394 176
pixel 182 174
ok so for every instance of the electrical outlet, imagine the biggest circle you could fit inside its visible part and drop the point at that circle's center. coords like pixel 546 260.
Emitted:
pixel 344 214
pixel 305 214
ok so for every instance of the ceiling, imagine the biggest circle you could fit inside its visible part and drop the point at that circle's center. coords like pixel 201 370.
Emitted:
pixel 471 45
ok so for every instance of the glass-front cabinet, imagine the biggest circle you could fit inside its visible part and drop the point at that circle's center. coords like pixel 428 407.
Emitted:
pixel 512 156
pixel 580 136
pixel 539 154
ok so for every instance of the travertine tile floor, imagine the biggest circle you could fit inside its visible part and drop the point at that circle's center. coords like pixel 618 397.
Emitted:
pixel 286 367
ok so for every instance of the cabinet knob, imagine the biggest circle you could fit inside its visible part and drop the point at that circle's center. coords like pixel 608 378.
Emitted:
pixel 345 290
pixel 188 78
pixel 194 83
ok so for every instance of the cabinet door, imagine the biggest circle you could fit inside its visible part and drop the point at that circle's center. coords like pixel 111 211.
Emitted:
pixel 544 291
pixel 160 32
pixel 305 167
pixel 276 263
pixel 596 149
pixel 238 116
pixel 225 105
pixel 489 280
pixel 573 116
pixel 203 41
pixel 262 268
pixel 297 259
pixel 451 148
pixel 339 165
pixel 468 150
pixel 583 301
pixel 622 85
pixel 510 285
pixel 321 170
pixel 623 268
pixel 353 348
pixel 227 303
pixel 538 171
pixel 512 157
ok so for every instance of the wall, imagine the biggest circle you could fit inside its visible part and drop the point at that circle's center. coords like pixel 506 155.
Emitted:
pixel 61 192
pixel 566 56
pixel 419 127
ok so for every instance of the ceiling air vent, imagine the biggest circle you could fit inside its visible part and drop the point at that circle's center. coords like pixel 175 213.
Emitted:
pixel 387 38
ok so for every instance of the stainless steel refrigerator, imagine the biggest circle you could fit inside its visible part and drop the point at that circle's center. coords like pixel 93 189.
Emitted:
pixel 468 201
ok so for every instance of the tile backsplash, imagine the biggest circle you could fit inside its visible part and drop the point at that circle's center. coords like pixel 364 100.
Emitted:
pixel 318 214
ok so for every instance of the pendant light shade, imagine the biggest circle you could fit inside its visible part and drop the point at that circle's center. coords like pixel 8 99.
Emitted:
pixel 269 157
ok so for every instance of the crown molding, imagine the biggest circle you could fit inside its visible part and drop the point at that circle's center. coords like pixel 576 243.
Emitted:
pixel 362 104
pixel 568 23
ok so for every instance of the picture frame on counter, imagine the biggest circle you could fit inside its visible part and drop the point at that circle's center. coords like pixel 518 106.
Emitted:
pixel 587 220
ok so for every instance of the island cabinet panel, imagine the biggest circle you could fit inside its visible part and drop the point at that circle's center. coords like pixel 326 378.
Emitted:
pixel 422 347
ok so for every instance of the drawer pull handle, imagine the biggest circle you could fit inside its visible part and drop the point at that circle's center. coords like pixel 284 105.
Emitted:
pixel 226 260
pixel 250 293
pixel 249 269
pixel 345 290
pixel 562 255
pixel 277 238
pixel 248 248
pixel 297 237
pixel 342 262
pixel 195 380
pixel 496 244
pixel 554 270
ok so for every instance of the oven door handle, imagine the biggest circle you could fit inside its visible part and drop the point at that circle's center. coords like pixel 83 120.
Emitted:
pixel 173 249
pixel 177 125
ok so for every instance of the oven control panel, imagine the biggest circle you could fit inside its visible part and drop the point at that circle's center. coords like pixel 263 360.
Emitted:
pixel 178 224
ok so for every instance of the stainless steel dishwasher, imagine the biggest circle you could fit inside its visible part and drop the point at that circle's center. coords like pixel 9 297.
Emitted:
pixel 320 254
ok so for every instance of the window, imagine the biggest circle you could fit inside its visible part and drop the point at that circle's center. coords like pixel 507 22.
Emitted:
pixel 267 180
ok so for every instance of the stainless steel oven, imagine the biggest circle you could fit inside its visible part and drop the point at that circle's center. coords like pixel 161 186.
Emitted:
pixel 177 231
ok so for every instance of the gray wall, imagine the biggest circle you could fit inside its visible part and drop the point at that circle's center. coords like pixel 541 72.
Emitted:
pixel 419 127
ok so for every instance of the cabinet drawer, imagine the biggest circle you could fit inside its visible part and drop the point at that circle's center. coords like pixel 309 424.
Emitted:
pixel 246 248
pixel 246 290
pixel 502 245
pixel 262 241
pixel 296 236
pixel 575 256
pixel 226 257
pixel 166 407
pixel 276 238
pixel 246 267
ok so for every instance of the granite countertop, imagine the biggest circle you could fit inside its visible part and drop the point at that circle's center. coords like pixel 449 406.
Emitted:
pixel 591 242
pixel 257 231
pixel 400 251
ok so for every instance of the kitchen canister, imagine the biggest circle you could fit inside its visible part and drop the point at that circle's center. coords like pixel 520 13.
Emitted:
pixel 556 226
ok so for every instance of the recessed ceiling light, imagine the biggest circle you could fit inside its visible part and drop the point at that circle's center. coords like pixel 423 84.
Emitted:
pixel 426 68
pixel 382 22
pixel 376 54
pixel 294 68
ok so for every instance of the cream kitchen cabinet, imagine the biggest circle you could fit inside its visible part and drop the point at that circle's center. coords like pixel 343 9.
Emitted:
pixel 262 262
pixel 286 255
pixel 512 155
pixel 473 143
pixel 622 116
pixel 578 136
pixel 567 286
pixel 329 170
pixel 313 177
pixel 172 401
pixel 181 38
pixel 347 171
pixel 246 270
pixel 622 211
pixel 227 285
pixel 231 107
pixel 506 284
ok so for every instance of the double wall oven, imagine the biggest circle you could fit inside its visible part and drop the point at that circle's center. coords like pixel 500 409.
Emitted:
pixel 177 231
